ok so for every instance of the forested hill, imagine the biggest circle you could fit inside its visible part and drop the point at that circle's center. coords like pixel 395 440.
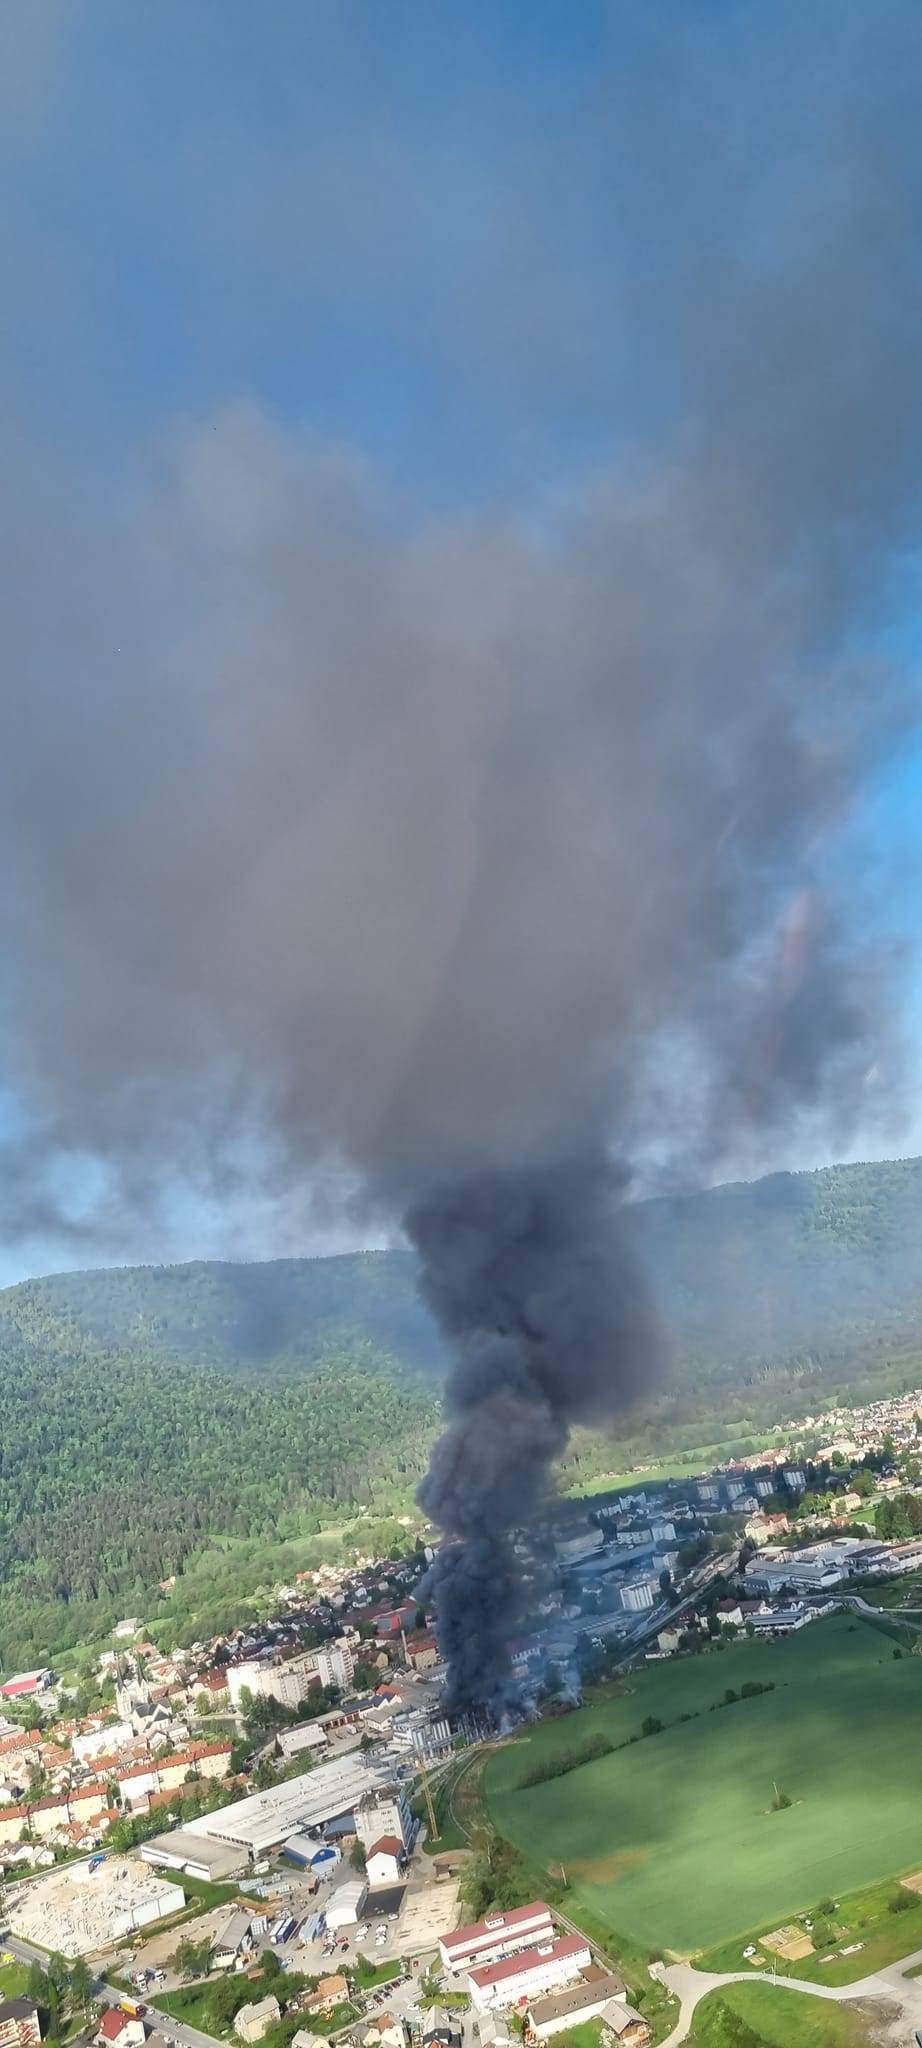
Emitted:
pixel 790 1262
pixel 197 1419
pixel 269 1320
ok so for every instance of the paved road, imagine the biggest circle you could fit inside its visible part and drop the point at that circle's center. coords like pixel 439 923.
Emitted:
pixel 891 1987
pixel 177 2030
pixel 909 1616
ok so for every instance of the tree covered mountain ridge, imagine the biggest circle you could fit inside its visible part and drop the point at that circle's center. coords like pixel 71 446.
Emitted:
pixel 202 1419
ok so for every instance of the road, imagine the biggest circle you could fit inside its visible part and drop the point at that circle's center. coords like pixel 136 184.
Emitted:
pixel 177 2030
pixel 910 1617
pixel 890 1988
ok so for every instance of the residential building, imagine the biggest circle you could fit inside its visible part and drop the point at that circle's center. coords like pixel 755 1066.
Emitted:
pixel 118 2029
pixel 638 1594
pixel 422 1652
pixel 442 2029
pixel 623 2025
pixel 19 2023
pixel 384 1861
pixel 335 1664
pixel 564 2009
pixel 327 1991
pixel 529 1972
pixel 386 2031
pixel 496 1936
pixel 253 2021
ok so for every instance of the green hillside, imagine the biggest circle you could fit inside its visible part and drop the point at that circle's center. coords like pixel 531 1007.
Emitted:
pixel 275 1319
pixel 150 1413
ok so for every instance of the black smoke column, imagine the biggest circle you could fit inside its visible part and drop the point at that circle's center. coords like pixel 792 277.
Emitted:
pixel 531 1275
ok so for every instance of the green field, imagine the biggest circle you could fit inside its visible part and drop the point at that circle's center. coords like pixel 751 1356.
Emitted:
pixel 671 1842
pixel 781 2019
pixel 13 1980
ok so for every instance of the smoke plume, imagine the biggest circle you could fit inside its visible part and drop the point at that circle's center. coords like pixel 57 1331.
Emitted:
pixel 532 1277
pixel 443 858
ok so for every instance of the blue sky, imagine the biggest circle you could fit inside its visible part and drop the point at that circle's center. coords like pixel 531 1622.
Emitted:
pixel 428 236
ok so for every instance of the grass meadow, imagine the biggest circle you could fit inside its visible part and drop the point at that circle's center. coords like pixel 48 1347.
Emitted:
pixel 672 1842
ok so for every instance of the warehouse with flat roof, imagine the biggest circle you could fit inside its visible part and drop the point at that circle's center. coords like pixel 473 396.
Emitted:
pixel 250 1828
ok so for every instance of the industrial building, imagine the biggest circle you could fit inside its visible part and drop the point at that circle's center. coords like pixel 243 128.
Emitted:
pixel 529 1972
pixel 85 1907
pixel 264 1821
pixel 26 1683
pixel 344 1907
pixel 817 1568
pixel 292 1741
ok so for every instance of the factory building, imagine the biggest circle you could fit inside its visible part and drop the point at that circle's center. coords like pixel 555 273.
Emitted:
pixel 264 1821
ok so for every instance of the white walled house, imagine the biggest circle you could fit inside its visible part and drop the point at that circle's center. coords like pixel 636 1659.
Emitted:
pixel 498 1935
pixel 384 1861
pixel 529 1973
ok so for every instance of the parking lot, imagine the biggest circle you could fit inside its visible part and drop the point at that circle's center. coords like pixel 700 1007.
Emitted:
pixel 399 1922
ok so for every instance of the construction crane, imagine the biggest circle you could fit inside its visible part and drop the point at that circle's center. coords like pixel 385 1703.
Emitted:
pixel 430 1807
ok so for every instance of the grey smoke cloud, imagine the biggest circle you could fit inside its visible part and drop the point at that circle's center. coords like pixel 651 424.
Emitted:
pixel 444 848
pixel 532 1275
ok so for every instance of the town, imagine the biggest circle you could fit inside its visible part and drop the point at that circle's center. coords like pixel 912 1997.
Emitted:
pixel 248 1831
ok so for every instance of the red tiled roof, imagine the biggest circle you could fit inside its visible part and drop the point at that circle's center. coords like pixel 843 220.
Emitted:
pixel 495 1923
pixel 112 2022
pixel 18 1741
pixel 386 1845
pixel 530 1959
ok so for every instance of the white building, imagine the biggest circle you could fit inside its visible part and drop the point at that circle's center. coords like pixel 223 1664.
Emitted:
pixel 311 1736
pixel 287 1683
pixel 253 2021
pixel 335 1664
pixel 385 1860
pixel 243 1677
pixel 583 1543
pixel 263 1821
pixel 105 1741
pixel 529 1973
pixel 383 1812
pixel 638 1594
pixel 496 1936
pixel 344 1908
